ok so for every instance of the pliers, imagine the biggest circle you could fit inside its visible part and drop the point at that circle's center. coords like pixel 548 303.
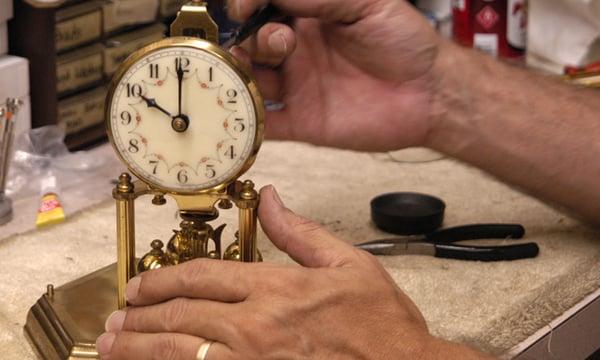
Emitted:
pixel 441 244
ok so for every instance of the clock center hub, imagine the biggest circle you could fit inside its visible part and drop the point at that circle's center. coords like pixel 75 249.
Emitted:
pixel 180 123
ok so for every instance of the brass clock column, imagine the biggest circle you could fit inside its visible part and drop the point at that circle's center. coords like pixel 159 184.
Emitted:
pixel 124 195
pixel 187 121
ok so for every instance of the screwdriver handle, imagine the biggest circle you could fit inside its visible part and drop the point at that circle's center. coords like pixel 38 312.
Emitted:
pixel 267 13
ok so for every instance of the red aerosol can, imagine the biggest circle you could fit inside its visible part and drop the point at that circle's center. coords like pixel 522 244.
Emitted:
pixel 497 27
pixel 461 18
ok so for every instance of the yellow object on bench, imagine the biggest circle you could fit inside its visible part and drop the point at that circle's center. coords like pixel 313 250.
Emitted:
pixel 50 211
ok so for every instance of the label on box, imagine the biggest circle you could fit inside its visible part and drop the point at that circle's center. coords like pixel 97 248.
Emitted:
pixel 82 111
pixel 122 13
pixel 78 25
pixel 170 7
pixel 120 47
pixel 74 72
pixel 492 17
pixel 488 43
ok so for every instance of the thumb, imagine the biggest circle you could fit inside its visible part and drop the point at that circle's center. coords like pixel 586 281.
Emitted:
pixel 303 240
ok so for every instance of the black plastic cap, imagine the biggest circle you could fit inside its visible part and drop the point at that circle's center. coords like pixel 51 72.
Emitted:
pixel 407 213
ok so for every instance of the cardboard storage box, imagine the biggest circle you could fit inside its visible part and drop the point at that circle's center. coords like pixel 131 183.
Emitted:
pixel 6 10
pixel 124 14
pixel 3 38
pixel 78 25
pixel 6 13
pixel 14 83
pixel 170 8
pixel 79 69
pixel 118 48
pixel 82 111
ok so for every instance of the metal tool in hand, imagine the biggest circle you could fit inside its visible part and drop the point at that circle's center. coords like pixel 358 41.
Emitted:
pixel 442 244
pixel 268 13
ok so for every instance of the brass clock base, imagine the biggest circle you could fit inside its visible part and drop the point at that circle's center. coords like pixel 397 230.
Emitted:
pixel 65 322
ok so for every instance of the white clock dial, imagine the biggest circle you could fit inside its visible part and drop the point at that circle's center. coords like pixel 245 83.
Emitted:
pixel 183 119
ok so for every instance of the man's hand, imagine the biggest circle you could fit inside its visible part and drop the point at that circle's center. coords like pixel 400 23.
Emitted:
pixel 353 74
pixel 372 75
pixel 340 304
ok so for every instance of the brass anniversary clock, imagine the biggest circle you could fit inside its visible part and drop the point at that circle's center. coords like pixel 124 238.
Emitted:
pixel 187 121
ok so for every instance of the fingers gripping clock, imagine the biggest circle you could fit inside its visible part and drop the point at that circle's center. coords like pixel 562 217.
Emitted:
pixel 183 117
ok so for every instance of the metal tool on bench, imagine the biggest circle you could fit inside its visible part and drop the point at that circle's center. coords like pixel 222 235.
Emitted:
pixel 419 217
pixel 7 120
pixel 442 244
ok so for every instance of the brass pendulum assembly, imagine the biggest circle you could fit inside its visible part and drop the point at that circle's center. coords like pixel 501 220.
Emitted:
pixel 192 240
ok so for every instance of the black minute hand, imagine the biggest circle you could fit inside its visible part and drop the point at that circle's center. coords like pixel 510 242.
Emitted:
pixel 152 104
pixel 180 74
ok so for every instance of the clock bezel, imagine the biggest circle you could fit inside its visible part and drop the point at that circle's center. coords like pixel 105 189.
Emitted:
pixel 202 45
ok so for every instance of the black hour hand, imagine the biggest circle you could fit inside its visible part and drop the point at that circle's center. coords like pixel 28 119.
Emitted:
pixel 152 104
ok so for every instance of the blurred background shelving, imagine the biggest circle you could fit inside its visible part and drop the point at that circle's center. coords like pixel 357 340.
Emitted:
pixel 74 46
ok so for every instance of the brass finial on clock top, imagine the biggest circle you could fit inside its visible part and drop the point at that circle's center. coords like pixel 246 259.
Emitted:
pixel 187 121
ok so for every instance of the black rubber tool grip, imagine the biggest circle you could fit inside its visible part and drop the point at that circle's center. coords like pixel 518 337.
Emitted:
pixel 474 232
pixel 487 253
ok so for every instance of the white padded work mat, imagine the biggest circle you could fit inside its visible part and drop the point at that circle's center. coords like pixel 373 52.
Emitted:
pixel 492 306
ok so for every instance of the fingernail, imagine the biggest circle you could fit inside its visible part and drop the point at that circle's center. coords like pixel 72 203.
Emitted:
pixel 234 50
pixel 133 287
pixel 104 343
pixel 115 321
pixel 276 197
pixel 278 43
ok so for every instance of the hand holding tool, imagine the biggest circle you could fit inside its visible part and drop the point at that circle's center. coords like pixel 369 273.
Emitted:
pixel 267 13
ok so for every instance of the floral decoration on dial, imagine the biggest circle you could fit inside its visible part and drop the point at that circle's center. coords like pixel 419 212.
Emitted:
pixel 183 119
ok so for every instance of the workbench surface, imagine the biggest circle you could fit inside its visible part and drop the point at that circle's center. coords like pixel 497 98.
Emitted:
pixel 491 306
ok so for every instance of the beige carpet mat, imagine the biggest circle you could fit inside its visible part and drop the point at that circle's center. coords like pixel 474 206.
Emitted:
pixel 492 306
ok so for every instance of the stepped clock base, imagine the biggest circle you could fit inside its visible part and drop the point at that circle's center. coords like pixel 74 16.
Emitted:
pixel 65 322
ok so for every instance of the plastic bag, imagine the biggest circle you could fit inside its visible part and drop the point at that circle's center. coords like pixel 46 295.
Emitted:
pixel 41 153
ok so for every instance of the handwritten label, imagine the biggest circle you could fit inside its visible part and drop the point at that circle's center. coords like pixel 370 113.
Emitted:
pixel 82 111
pixel 79 30
pixel 131 12
pixel 79 72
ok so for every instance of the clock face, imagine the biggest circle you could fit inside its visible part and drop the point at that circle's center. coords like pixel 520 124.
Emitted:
pixel 184 119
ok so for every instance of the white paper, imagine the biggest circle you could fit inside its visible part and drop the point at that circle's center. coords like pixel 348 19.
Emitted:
pixel 14 77
pixel 14 83
pixel 563 32
pixel 488 43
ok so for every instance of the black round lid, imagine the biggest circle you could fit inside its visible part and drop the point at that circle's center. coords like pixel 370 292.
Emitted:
pixel 407 213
